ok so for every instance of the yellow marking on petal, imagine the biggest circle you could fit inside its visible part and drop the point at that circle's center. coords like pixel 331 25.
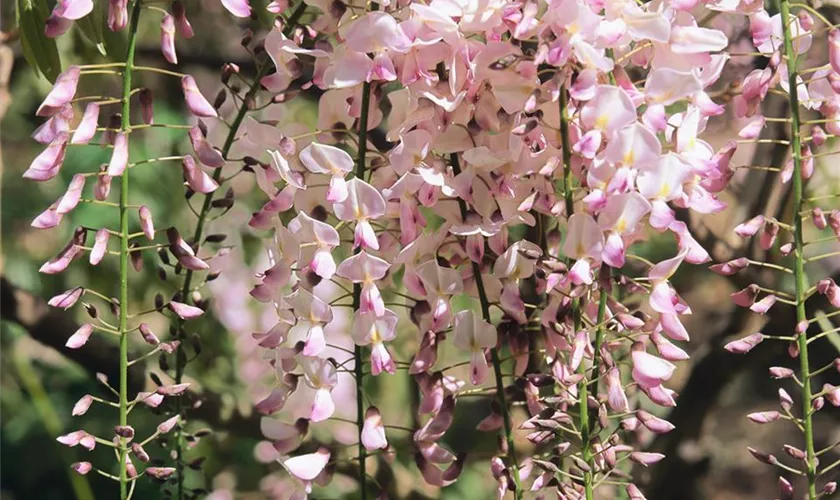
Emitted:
pixel 601 122
pixel 580 249
pixel 621 225
pixel 375 337
pixel 629 156
pixel 664 190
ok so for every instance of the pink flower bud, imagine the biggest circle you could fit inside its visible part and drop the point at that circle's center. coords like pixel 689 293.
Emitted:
pixel 834 222
pixel 830 487
pixel 277 6
pixel 744 345
pixel 47 219
pixel 785 401
pixel 768 236
pixel 761 27
pixel 818 216
pixel 654 423
pixel 373 432
pixel 82 405
pixel 763 457
pixel 763 305
pixel 167 39
pixel 832 394
pixel 764 417
pixel 731 267
pixel 745 297
pixel 150 399
pixel 634 493
pixel 147 106
pixel 148 335
pixel 82 467
pixel 168 424
pixel 185 311
pixel 238 8
pixel 140 452
pixel 59 122
pixel 67 299
pixel 119 158
pixel 750 227
pixel 47 164
pixel 62 92
pixel 56 26
pixel 160 472
pixel 100 246
pixel 79 338
pixel 181 22
pixel 146 222
pixel 780 372
pixel 196 102
pixel 60 262
pixel 831 291
pixel 77 438
pixel 645 458
pixel 197 179
pixel 102 188
pixel 87 127
pixel 124 431
pixel 785 489
pixel 117 14
pixel 167 347
pixel 206 153
pixel 172 390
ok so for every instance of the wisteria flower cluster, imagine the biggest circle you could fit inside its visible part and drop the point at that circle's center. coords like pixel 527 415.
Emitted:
pixel 468 209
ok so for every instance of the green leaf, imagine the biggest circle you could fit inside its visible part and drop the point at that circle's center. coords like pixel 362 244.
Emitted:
pixel 40 52
pixel 91 27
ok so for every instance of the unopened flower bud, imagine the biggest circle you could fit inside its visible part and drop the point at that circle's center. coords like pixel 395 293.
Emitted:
pixel 785 400
pixel 794 452
pixel 124 431
pixel 140 452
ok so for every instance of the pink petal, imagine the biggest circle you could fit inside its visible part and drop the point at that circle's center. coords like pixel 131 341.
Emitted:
pixel 373 432
pixel 196 102
pixel 62 92
pixel 167 39
pixel 206 153
pixel 308 467
pixel 322 406
pixel 67 299
pixel 185 311
pixel 119 158
pixel 239 8
pixel 80 338
pixel 100 246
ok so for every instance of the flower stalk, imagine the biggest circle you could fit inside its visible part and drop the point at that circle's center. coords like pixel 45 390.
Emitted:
pixel 585 422
pixel 203 213
pixel 124 248
pixel 494 355
pixel 800 280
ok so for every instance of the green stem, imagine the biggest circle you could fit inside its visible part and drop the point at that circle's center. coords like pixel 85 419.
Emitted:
pixel 494 354
pixel 583 387
pixel 199 231
pixel 124 251
pixel 358 354
pixel 799 267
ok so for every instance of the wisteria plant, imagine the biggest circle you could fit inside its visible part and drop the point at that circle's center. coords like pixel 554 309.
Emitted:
pixel 471 208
